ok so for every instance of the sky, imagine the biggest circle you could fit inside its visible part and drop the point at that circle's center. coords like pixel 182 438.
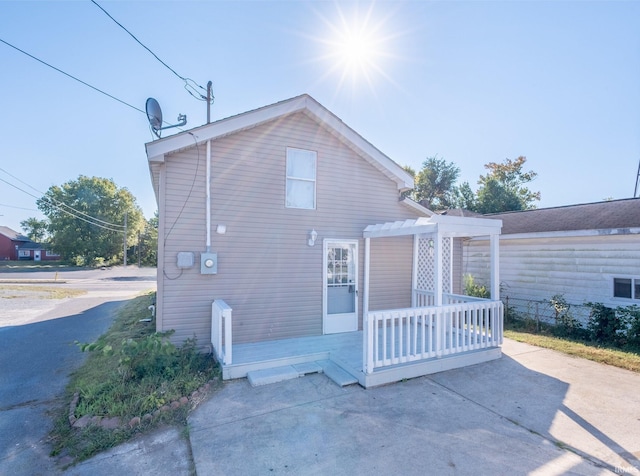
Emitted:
pixel 470 82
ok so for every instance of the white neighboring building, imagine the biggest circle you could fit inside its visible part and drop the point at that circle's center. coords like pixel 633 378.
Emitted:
pixel 587 253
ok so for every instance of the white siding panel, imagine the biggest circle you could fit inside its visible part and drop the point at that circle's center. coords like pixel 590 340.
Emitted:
pixel 267 273
pixel 580 268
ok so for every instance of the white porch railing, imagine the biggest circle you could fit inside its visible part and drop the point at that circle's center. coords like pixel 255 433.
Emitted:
pixel 221 327
pixel 422 298
pixel 407 335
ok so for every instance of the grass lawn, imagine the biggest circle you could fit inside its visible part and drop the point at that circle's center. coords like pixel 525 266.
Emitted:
pixel 132 374
pixel 30 265
pixel 616 358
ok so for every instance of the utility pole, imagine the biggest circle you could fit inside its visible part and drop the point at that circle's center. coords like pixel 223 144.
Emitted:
pixel 139 248
pixel 125 239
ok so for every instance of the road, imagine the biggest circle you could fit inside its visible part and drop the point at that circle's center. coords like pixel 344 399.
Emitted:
pixel 38 353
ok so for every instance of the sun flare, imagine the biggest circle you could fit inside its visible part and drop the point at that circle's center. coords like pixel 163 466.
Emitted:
pixel 356 46
pixel 356 51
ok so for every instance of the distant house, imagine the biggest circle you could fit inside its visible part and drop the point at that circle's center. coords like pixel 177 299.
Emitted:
pixel 15 246
pixel 587 253
pixel 284 239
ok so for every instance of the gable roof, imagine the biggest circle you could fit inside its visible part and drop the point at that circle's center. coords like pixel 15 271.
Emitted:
pixel 157 149
pixel 607 215
pixel 12 234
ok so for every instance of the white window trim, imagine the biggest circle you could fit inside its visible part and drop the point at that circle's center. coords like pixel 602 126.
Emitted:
pixel 633 278
pixel 300 179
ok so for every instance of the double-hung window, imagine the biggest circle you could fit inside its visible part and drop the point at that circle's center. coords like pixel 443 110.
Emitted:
pixel 628 288
pixel 301 178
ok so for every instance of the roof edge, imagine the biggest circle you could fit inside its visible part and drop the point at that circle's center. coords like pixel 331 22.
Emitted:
pixel 156 150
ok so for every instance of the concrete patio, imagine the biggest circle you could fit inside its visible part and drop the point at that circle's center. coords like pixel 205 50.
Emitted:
pixel 534 411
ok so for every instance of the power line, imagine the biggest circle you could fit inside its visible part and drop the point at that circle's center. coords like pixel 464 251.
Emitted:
pixel 52 203
pixel 71 76
pixel 56 203
pixel 79 80
pixel 62 209
pixel 19 208
pixel 187 86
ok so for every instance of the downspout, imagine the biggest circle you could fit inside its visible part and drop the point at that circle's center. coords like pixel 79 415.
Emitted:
pixel 208 190
pixel 208 197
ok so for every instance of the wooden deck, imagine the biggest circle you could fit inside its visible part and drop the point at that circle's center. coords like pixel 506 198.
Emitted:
pixel 345 350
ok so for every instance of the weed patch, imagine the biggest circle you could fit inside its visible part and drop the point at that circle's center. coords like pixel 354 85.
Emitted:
pixel 133 374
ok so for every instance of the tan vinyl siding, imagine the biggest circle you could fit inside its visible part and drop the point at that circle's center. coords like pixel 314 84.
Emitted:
pixel 391 271
pixel 580 268
pixel 267 273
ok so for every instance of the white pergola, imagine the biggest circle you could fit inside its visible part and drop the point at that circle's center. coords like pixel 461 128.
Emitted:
pixel 435 233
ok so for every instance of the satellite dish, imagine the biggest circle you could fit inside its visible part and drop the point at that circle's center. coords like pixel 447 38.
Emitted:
pixel 154 115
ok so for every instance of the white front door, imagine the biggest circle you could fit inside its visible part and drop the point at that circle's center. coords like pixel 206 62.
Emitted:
pixel 340 286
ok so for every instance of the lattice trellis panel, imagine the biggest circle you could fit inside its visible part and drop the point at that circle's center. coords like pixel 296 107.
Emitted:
pixel 446 264
pixel 426 272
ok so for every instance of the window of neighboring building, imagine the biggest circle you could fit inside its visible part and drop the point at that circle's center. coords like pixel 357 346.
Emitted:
pixel 301 178
pixel 628 288
pixel 24 254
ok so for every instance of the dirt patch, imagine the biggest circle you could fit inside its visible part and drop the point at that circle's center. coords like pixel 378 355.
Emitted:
pixel 26 291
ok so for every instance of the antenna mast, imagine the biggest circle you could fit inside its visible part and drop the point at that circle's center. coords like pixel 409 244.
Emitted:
pixel 635 190
pixel 208 102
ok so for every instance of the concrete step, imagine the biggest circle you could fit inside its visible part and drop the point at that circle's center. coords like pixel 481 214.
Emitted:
pixel 337 374
pixel 273 375
pixel 280 374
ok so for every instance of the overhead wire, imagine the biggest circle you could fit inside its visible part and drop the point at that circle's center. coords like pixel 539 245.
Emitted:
pixel 19 208
pixel 184 204
pixel 63 210
pixel 52 203
pixel 111 96
pixel 72 77
pixel 188 87
pixel 58 203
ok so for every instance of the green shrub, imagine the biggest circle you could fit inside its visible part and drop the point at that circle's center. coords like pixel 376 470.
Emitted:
pixel 566 324
pixel 471 288
pixel 630 317
pixel 605 327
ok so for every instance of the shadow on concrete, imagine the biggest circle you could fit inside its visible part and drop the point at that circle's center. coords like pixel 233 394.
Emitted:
pixel 536 402
pixel 131 278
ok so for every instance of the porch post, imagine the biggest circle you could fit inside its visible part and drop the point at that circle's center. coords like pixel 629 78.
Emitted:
pixel 367 355
pixel 437 252
pixel 437 297
pixel 414 274
pixel 494 244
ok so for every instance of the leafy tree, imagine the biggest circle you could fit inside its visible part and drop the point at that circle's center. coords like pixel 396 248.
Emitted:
pixel 503 188
pixel 435 184
pixel 412 172
pixel 147 247
pixel 87 218
pixel 36 230
pixel 464 197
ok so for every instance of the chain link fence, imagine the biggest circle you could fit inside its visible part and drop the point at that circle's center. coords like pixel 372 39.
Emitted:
pixel 542 311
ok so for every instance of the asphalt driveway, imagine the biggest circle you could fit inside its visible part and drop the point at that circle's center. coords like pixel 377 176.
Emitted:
pixel 38 354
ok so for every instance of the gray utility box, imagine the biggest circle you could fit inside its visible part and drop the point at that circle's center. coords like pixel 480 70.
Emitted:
pixel 208 263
